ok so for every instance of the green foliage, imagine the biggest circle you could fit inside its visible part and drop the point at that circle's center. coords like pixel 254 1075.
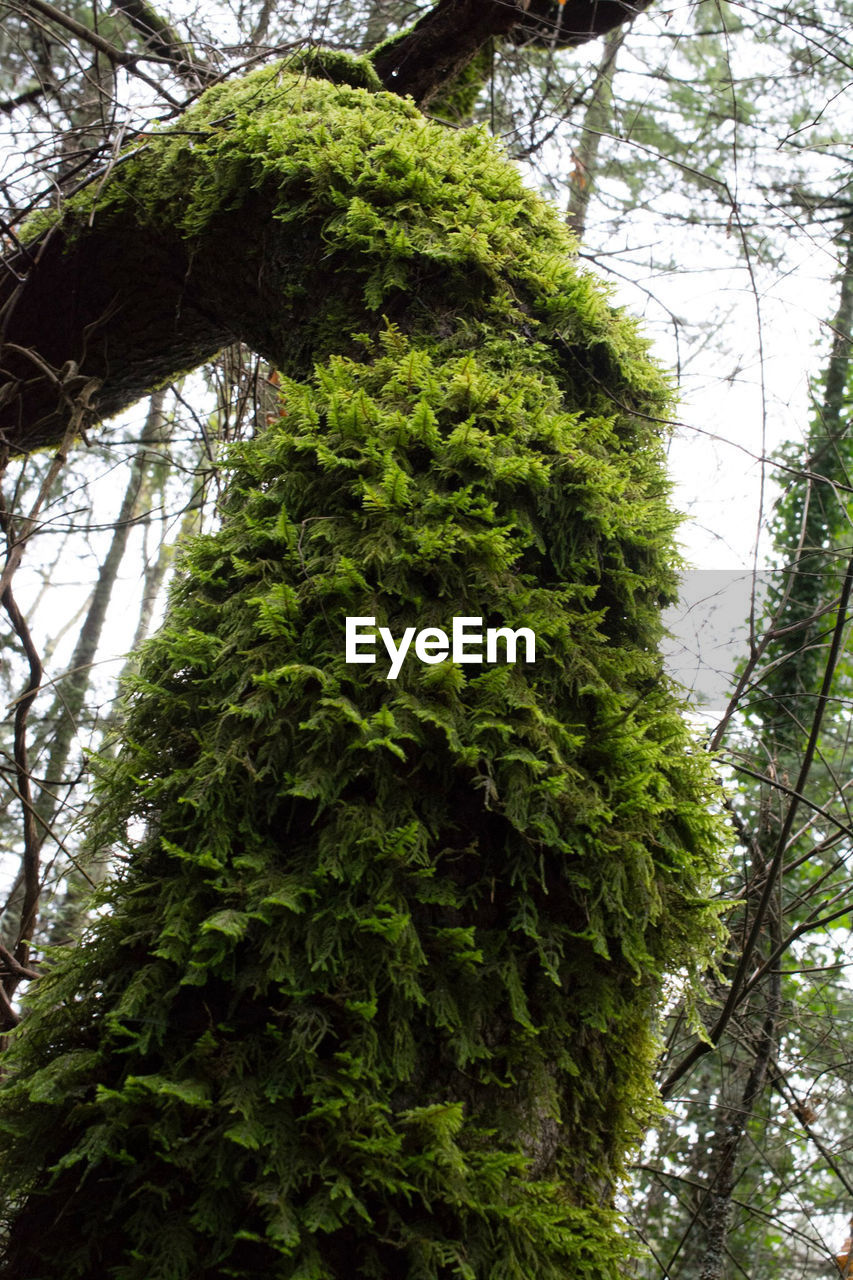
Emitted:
pixel 376 994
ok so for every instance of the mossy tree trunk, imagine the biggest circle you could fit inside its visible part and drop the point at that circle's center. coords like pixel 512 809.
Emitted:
pixel 376 994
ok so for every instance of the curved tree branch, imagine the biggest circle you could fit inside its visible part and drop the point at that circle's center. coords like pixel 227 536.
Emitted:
pixel 133 302
pixel 577 23
pixel 212 232
pixel 422 60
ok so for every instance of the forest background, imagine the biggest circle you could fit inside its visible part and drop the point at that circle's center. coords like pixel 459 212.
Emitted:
pixel 701 154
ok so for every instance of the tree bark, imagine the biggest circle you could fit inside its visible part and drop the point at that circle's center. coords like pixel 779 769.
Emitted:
pixel 118 309
pixel 437 48
pixel 579 21
pixel 426 58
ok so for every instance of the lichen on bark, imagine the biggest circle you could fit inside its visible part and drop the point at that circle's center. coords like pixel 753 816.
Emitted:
pixel 376 992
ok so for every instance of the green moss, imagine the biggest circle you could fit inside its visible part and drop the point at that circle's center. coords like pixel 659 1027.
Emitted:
pixel 339 68
pixel 38 223
pixel 376 995
pixel 456 100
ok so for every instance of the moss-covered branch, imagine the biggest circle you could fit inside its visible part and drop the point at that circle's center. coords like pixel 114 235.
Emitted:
pixel 129 301
pixel 237 224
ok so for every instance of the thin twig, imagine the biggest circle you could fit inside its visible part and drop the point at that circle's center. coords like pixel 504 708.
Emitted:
pixel 32 844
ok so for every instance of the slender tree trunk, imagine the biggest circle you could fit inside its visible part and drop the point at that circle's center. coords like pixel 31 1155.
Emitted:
pixel 597 122
pixel 718 1210
pixel 814 522
pixel 65 714
pixel 742 1089
pixel 70 701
